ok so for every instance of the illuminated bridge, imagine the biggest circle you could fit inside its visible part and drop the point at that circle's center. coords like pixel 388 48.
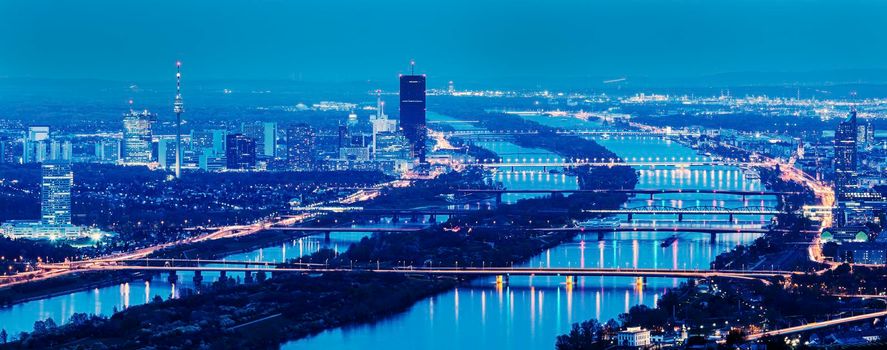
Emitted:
pixel 413 213
pixel 712 230
pixel 680 212
pixel 197 266
pixel 650 192
pixel 563 164
pixel 503 133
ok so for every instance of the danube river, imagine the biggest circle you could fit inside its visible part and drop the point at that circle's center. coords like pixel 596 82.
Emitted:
pixel 531 312
pixel 527 313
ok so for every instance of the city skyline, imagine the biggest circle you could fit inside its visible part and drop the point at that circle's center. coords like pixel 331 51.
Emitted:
pixel 401 175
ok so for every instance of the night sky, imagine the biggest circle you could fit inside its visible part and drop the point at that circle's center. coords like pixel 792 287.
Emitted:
pixel 463 40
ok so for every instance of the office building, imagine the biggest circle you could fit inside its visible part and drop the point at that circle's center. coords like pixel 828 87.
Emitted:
pixel 7 154
pixel 219 137
pixel 55 209
pixel 34 145
pixel 137 137
pixel 240 152
pixel 55 193
pixel 865 135
pixel 265 135
pixel 300 143
pixel 61 150
pixel 269 136
pixel 412 113
pixel 166 153
pixel 845 156
pixel 633 337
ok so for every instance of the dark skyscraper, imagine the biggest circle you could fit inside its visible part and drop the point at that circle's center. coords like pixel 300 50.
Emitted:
pixel 412 113
pixel 300 146
pixel 240 152
pixel 845 156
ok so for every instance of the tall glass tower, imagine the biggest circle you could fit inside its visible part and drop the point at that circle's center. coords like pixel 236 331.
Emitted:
pixel 55 193
pixel 845 156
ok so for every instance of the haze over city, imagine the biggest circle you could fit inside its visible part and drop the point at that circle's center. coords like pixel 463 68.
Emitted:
pixel 441 175
pixel 478 43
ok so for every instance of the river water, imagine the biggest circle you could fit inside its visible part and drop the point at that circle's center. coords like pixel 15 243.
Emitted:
pixel 528 312
pixel 531 312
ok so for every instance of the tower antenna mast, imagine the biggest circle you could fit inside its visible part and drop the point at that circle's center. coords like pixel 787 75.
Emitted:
pixel 178 108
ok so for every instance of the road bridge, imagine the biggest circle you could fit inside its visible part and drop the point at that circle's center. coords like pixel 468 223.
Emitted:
pixel 680 212
pixel 328 230
pixel 414 213
pixel 635 164
pixel 582 132
pixel 651 192
pixel 444 271
pixel 601 231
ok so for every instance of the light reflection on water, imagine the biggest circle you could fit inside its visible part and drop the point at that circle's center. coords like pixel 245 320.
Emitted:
pixel 526 313
pixel 530 312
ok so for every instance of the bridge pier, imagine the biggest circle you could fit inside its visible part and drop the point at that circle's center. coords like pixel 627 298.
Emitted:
pixel 248 277
pixel 326 237
pixel 198 278
pixel 432 218
pixel 394 219
pixel 731 217
pixel 414 218
pixel 713 237
pixel 630 217
pixel 680 217
pixel 223 275
pixel 498 198
pixel 173 277
pixel 600 235
pixel 260 276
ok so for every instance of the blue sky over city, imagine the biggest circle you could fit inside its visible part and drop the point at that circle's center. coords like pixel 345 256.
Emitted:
pixel 353 40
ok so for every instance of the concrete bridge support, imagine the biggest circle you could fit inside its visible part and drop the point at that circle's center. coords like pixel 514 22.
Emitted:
pixel 198 278
pixel 432 218
pixel 261 276
pixel 173 277
pixel 570 281
pixel 600 235
pixel 248 277
pixel 713 236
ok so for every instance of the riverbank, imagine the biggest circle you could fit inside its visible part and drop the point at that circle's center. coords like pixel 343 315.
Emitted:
pixel 61 285
pixel 86 280
pixel 309 304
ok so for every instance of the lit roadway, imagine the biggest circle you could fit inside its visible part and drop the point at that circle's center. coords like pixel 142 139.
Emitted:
pixel 816 325
pixel 437 271
pixel 219 233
